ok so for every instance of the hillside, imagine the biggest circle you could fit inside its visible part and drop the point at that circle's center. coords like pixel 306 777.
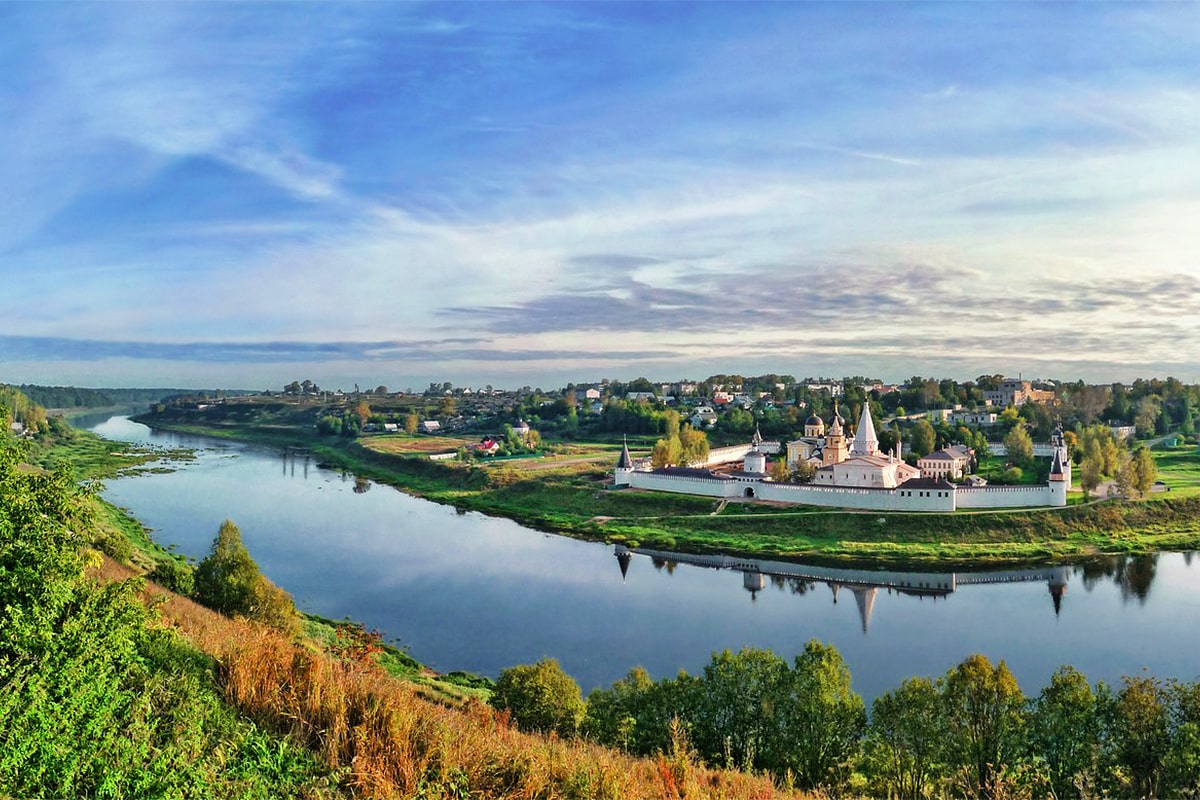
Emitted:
pixel 114 687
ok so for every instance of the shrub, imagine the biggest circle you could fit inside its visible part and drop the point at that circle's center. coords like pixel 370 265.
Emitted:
pixel 540 697
pixel 178 576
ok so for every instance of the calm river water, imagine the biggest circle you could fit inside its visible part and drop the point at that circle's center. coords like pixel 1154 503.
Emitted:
pixel 467 591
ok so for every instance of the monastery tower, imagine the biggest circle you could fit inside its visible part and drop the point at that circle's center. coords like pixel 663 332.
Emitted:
pixel 865 442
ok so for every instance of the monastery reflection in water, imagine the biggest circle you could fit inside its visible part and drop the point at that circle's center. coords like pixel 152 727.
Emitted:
pixel 1132 574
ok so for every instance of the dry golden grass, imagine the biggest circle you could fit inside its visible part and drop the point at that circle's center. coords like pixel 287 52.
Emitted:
pixel 408 445
pixel 388 741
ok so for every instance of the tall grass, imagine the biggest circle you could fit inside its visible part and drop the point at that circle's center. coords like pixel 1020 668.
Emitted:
pixel 386 740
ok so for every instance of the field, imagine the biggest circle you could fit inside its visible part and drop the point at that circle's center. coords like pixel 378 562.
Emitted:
pixel 1179 469
pixel 404 444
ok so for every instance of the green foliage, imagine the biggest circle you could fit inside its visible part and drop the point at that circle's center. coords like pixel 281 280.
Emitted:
pixel 1019 445
pixel 694 445
pixel 227 577
pixel 983 722
pixel 228 580
pixel 1064 731
pixel 540 697
pixel 175 575
pixel 923 438
pixel 903 745
pixel 94 701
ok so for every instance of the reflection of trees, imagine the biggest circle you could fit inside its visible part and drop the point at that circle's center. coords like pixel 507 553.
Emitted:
pixel 1132 574
pixel 1137 576
pixel 800 586
pixel 361 485
pixel 659 563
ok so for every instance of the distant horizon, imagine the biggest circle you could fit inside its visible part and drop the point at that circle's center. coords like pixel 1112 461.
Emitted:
pixel 521 193
pixel 367 386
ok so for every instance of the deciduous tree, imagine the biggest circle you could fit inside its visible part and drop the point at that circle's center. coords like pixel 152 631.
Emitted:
pixel 1064 730
pixel 904 739
pixel 983 707
pixel 1019 446
pixel 540 697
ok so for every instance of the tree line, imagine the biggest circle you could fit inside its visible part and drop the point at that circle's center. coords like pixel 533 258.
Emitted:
pixel 970 733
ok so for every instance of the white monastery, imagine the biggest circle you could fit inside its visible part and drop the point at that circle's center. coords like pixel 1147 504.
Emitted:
pixel 849 475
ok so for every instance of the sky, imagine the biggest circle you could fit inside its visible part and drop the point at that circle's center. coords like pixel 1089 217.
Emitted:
pixel 239 195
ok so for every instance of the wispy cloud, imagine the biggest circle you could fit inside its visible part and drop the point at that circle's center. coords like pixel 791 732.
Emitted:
pixel 391 178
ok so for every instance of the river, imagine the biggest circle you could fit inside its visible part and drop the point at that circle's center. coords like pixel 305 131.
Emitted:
pixel 468 591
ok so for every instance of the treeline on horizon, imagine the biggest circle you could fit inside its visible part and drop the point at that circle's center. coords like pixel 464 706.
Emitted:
pixel 77 397
pixel 970 733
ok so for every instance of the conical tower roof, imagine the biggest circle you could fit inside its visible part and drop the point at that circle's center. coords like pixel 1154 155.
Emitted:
pixel 625 462
pixel 1056 466
pixel 865 442
pixel 865 598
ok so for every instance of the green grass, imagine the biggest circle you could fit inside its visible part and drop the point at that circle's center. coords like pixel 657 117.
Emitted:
pixel 575 501
pixel 1179 469
pixel 454 687
pixel 93 457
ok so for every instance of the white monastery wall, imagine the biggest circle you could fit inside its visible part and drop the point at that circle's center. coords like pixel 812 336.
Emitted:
pixel 856 497
pixel 1054 494
pixel 685 485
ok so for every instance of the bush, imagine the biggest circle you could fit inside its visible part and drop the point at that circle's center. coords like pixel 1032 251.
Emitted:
pixel 540 697
pixel 274 607
pixel 178 576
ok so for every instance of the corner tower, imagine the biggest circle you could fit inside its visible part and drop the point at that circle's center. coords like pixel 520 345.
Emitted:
pixel 624 467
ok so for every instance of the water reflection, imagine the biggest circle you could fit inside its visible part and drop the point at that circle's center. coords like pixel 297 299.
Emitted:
pixel 1133 575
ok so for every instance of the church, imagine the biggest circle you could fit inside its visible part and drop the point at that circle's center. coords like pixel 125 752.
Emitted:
pixel 851 474
pixel 859 463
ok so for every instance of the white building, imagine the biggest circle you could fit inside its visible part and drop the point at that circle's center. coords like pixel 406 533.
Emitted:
pixel 947 464
pixel 882 482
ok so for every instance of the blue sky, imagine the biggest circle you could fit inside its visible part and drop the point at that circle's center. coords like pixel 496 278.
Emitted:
pixel 208 194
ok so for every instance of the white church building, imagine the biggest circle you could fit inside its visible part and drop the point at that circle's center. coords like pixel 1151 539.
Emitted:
pixel 851 475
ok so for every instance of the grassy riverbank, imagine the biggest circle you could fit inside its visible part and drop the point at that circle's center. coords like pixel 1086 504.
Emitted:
pixel 570 496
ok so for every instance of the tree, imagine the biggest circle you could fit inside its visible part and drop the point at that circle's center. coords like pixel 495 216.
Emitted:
pixel 1064 730
pixel 666 452
pixel 226 578
pixel 904 739
pixel 695 445
pixel 780 473
pixel 1019 446
pixel 923 438
pixel 1141 733
pixel 381 389
pixel 670 424
pixel 823 720
pixel 983 707
pixel 740 711
pixel 447 406
pixel 411 421
pixel 1144 470
pixel 363 412
pixel 1089 473
pixel 540 697
pixel 804 472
